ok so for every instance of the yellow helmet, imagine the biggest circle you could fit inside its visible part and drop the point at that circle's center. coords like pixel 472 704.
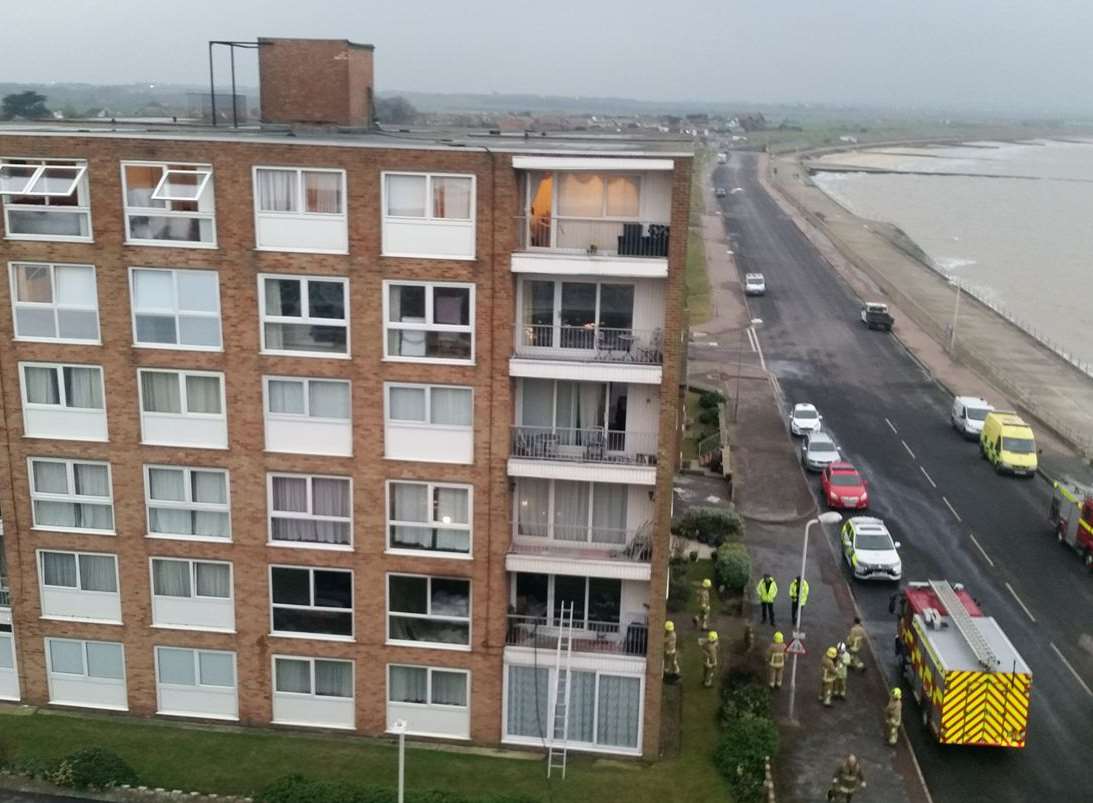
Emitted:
pixel 669 626
pixel 711 636
pixel 832 652
pixel 778 637
pixel 706 583
pixel 897 694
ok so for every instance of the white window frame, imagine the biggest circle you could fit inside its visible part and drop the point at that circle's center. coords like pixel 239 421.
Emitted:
pixel 430 645
pixel 78 555
pixel 306 414
pixel 220 691
pixel 430 705
pixel 70 497
pixel 189 505
pixel 53 305
pixel 80 185
pixel 304 319
pixel 312 694
pixel 183 401
pixel 94 679
pixel 174 312
pixel 160 193
pixel 351 610
pixel 58 368
pixel 301 213
pixel 428 325
pixel 428 388
pixel 309 516
pixel 157 211
pixel 430 487
pixel 430 216
pixel 192 562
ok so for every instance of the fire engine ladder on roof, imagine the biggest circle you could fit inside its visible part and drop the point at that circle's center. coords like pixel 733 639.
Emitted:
pixel 563 651
pixel 965 623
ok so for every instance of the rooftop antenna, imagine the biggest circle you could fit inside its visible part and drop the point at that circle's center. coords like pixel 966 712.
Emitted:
pixel 231 45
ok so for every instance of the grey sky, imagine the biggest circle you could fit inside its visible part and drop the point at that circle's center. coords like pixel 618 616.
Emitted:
pixel 1015 54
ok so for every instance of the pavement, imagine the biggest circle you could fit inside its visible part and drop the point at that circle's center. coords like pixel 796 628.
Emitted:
pixel 885 402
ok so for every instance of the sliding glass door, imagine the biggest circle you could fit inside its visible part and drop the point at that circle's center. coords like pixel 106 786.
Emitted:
pixel 587 316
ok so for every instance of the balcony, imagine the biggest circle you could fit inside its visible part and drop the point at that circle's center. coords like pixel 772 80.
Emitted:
pixel 592 246
pixel 591 455
pixel 590 344
pixel 593 552
pixel 590 637
pixel 5 594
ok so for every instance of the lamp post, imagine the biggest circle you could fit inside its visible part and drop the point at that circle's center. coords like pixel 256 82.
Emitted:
pixel 830 517
pixel 956 316
pixel 399 727
pixel 739 360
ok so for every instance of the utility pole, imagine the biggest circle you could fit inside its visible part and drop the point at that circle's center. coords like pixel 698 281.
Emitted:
pixel 956 316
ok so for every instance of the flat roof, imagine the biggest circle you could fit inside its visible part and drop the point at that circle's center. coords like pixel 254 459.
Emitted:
pixel 483 141
pixel 957 655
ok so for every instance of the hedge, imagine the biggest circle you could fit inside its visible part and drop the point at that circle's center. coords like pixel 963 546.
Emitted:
pixel 743 695
pixel 298 789
pixel 741 753
pixel 710 399
pixel 732 567
pixel 710 525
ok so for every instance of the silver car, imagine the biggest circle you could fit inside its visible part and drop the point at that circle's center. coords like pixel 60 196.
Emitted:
pixel 819 451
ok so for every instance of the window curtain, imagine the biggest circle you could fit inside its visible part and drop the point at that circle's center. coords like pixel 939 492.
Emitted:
pixel 450 407
pixel 104 661
pixel 452 506
pixel 591 402
pixel 41 385
pixel 528 695
pixel 66 656
pixel 619 711
pixel 277 190
pixel 407 404
pixel 570 510
pixel 176 666
pixel 286 396
pixel 209 487
pixel 171 578
pixel 410 503
pixel 154 290
pixel 449 688
pixel 91 480
pixel 59 569
pixel 50 477
pixel 330 497
pixel 83 387
pixel 168 485
pixel 323 192
pixel 406 196
pixel 537 403
pixel 160 392
pixel 533 507
pixel 409 684
pixel 203 394
pixel 623 193
pixel 582 707
pixel 329 400
pixel 97 573
pixel 217 669
pixel 333 679
pixel 580 195
pixel 609 513
pixel 293 676
pixel 273 293
pixel 213 580
pixel 451 198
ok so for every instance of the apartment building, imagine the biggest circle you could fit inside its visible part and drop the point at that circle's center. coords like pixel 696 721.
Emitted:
pixel 313 425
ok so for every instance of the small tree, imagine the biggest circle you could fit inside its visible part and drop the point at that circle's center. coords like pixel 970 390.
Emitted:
pixel 395 110
pixel 27 105
pixel 732 567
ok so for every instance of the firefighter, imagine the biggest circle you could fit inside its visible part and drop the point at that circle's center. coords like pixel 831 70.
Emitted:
pixel 767 590
pixel 702 621
pixel 776 661
pixel 842 667
pixel 709 657
pixel 798 596
pixel 671 654
pixel 827 675
pixel 893 715
pixel 855 640
pixel 847 780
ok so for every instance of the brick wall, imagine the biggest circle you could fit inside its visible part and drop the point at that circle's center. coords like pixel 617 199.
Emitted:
pixel 315 81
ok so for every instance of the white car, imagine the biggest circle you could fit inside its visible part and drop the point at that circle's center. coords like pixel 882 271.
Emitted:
pixel 869 549
pixel 819 451
pixel 804 419
pixel 755 284
pixel 968 414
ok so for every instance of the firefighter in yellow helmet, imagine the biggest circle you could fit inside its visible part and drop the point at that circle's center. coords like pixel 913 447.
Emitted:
pixel 827 675
pixel 847 780
pixel 776 661
pixel 671 653
pixel 702 621
pixel 855 640
pixel 709 657
pixel 893 715
pixel 842 667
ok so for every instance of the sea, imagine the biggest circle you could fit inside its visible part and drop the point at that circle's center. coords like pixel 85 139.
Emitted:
pixel 1012 222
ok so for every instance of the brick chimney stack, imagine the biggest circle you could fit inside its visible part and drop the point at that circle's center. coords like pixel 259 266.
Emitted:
pixel 316 82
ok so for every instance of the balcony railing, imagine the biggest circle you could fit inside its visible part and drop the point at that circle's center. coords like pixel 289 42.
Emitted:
pixel 612 638
pixel 590 343
pixel 585 445
pixel 593 236
pixel 591 543
pixel 5 596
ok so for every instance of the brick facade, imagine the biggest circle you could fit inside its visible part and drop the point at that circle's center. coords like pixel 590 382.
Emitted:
pixel 316 81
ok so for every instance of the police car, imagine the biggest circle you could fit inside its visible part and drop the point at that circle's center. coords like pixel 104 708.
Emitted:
pixel 869 549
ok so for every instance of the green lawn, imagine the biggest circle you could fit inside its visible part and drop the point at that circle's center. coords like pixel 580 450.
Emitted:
pixel 241 761
pixel 698 283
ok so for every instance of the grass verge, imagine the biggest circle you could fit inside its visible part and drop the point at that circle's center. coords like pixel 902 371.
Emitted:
pixel 697 282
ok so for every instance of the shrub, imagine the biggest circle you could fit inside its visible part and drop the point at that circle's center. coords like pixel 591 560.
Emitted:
pixel 692 556
pixel 732 567
pixel 94 768
pixel 709 418
pixel 741 752
pixel 742 695
pixel 298 789
pixel 710 399
pixel 710 525
pixel 37 768
pixel 679 590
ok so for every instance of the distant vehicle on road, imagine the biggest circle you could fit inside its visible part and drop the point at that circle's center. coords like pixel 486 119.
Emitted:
pixel 722 158
pixel 804 419
pixel 844 487
pixel 875 315
pixel 1072 515
pixel 755 284
pixel 869 549
pixel 968 415
pixel 1008 444
pixel 819 451
pixel 720 192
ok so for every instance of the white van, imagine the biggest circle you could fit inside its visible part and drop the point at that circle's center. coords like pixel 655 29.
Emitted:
pixel 968 414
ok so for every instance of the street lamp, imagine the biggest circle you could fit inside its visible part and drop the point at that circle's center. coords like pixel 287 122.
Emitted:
pixel 956 315
pixel 830 517
pixel 399 727
pixel 739 360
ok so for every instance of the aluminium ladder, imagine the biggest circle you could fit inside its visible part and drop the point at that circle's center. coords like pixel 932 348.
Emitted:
pixel 563 650
pixel 965 624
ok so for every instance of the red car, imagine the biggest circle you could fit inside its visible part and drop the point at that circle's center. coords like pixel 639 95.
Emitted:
pixel 844 487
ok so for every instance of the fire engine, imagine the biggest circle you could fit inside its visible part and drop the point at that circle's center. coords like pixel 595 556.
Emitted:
pixel 1072 517
pixel 971 683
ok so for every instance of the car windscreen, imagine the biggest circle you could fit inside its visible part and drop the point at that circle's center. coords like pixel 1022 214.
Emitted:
pixel 975 413
pixel 845 479
pixel 821 446
pixel 1018 445
pixel 874 542
pixel 804 414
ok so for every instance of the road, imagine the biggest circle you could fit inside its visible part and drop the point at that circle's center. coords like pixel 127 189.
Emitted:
pixel 956 519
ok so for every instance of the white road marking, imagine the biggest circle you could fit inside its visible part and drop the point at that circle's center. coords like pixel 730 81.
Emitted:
pixel 751 338
pixel 929 479
pixel 1028 613
pixel 759 349
pixel 1066 663
pixel 891 426
pixel 982 551
pixel 952 509
pixel 908 448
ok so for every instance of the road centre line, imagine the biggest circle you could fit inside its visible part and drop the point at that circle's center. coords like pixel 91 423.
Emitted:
pixel 1028 613
pixel 891 426
pixel 982 551
pixel 929 479
pixel 952 510
pixel 908 448
pixel 1074 672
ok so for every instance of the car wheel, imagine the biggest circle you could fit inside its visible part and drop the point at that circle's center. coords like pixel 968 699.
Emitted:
pixel 1059 537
